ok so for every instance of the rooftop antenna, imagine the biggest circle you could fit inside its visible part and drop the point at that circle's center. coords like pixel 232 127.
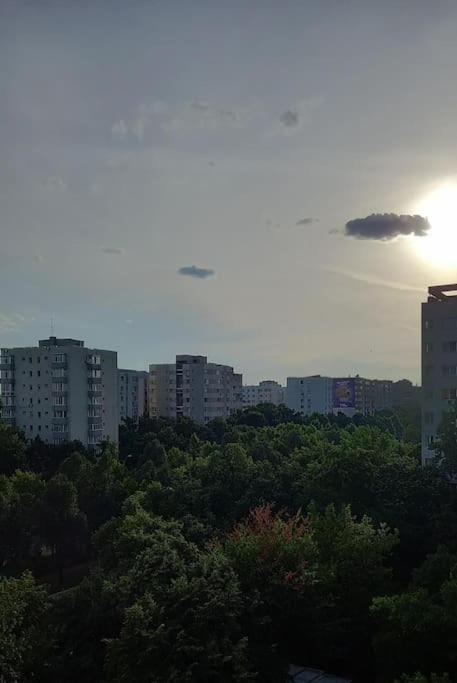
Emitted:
pixel 52 326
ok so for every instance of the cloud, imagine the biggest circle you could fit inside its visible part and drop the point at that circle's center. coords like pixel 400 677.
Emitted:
pixel 120 129
pixel 386 226
pixel 373 280
pixel 112 250
pixel 307 221
pixel 290 119
pixel 54 184
pixel 199 106
pixel 193 271
pixel 10 323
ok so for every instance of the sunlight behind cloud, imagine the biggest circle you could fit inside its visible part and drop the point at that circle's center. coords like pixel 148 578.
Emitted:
pixel 439 247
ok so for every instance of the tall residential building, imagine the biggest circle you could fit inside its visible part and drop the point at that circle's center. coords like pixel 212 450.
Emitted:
pixel 267 391
pixel 353 395
pixel 405 394
pixel 60 391
pixel 132 394
pixel 308 395
pixel 439 361
pixel 194 388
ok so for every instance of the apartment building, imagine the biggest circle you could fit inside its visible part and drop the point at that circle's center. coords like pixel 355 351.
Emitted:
pixel 439 361
pixel 308 395
pixel 352 395
pixel 192 387
pixel 405 394
pixel 59 391
pixel 132 394
pixel 267 391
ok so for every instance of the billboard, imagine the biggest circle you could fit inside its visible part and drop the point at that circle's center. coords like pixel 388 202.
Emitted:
pixel 344 393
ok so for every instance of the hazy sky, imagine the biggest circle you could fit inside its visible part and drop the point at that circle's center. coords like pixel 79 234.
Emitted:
pixel 176 177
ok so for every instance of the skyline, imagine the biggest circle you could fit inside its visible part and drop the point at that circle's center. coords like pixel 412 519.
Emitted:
pixel 192 180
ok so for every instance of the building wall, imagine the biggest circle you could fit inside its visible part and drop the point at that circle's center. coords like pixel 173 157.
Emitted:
pixel 439 363
pixel 267 391
pixel 132 394
pixel 308 395
pixel 194 388
pixel 162 390
pixel 53 387
pixel 405 394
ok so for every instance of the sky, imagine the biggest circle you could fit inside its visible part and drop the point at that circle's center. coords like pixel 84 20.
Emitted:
pixel 188 177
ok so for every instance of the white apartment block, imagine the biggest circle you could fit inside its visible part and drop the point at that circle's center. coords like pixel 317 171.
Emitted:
pixel 132 394
pixel 308 395
pixel 439 361
pixel 59 391
pixel 267 391
pixel 192 387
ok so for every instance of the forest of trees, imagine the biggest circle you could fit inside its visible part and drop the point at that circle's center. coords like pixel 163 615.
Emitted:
pixel 226 552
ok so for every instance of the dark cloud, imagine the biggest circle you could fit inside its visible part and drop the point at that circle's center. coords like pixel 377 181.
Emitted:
pixel 193 271
pixel 289 118
pixel 307 221
pixel 386 226
pixel 112 250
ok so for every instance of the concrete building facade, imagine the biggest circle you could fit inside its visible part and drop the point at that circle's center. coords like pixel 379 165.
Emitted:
pixel 439 361
pixel 192 387
pixel 267 391
pixel 308 395
pixel 132 394
pixel 60 390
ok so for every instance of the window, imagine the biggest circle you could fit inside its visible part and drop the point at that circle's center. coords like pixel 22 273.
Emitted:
pixel 428 418
pixel 39 373
pixel 60 358
pixel 428 347
pixel 450 346
pixel 30 360
pixel 30 373
pixel 449 394
pixel 428 324
pixel 449 369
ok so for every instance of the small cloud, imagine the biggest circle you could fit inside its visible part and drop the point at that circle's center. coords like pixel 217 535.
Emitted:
pixel 120 129
pixel 112 250
pixel 386 226
pixel 334 231
pixel 307 221
pixel 54 184
pixel 194 271
pixel 290 118
pixel 199 106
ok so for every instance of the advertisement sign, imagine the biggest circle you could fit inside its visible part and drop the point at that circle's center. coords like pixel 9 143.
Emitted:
pixel 344 393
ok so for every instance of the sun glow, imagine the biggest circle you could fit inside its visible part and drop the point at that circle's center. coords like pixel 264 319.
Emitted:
pixel 439 247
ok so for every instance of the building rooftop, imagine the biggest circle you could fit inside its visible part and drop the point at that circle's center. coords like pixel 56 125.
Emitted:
pixel 442 292
pixel 299 674
pixel 55 341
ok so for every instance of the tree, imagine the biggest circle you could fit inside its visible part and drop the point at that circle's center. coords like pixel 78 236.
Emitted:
pixel 63 526
pixel 185 630
pixel 417 629
pixel 12 450
pixel 23 641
